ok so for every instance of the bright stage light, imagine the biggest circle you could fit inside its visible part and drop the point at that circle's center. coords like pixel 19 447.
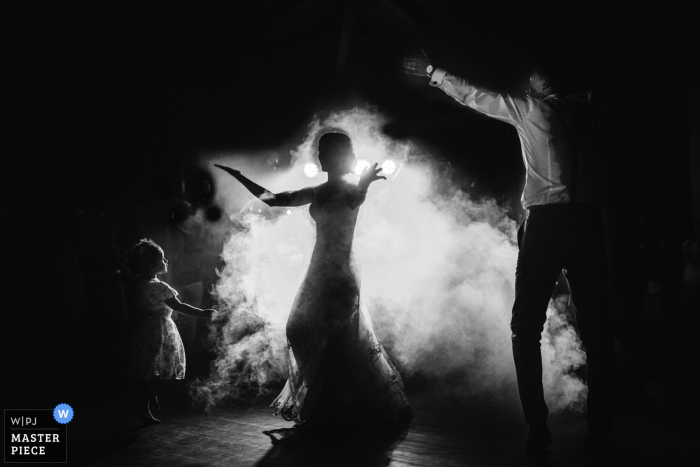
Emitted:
pixel 289 211
pixel 360 166
pixel 310 170
pixel 388 167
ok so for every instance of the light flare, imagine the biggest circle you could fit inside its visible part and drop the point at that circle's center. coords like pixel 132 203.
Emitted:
pixel 310 169
pixel 360 166
pixel 388 167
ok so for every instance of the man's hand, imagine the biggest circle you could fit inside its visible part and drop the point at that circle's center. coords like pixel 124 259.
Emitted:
pixel 416 66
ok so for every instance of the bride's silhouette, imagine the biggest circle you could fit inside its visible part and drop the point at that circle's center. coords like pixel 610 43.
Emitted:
pixel 338 370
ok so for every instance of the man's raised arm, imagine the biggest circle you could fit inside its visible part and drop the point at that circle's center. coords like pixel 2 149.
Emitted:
pixel 497 105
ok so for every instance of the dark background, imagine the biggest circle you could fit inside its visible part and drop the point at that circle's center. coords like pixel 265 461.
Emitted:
pixel 108 106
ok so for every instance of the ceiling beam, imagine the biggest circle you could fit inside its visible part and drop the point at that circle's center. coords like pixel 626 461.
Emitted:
pixel 407 129
pixel 346 35
pixel 423 20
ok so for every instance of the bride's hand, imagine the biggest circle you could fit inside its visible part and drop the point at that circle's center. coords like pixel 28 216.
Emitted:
pixel 229 170
pixel 369 175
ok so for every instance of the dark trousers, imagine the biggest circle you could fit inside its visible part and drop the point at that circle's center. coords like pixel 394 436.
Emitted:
pixel 569 237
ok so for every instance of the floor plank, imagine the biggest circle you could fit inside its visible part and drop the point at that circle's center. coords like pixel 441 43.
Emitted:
pixel 443 432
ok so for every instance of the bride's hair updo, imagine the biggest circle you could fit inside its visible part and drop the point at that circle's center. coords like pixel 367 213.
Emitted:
pixel 336 144
pixel 144 258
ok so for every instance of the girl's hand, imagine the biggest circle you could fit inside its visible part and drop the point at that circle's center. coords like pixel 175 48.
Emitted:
pixel 369 175
pixel 210 313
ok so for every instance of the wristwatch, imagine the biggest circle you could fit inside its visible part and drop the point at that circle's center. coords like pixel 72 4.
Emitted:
pixel 429 70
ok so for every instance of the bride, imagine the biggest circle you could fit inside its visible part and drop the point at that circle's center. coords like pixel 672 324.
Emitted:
pixel 338 370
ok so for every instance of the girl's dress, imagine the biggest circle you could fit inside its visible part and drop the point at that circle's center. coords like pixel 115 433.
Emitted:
pixel 156 350
pixel 338 369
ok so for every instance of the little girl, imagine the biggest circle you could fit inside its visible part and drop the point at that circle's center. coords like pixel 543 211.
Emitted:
pixel 156 350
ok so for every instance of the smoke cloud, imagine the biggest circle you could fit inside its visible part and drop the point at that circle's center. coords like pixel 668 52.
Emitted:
pixel 562 355
pixel 438 272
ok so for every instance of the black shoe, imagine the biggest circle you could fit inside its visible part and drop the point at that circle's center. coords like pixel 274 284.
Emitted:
pixel 538 436
pixel 295 434
pixel 539 439
pixel 539 458
pixel 147 419
pixel 598 449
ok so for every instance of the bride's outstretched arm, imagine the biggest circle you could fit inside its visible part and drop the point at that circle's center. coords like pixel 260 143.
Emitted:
pixel 369 175
pixel 287 198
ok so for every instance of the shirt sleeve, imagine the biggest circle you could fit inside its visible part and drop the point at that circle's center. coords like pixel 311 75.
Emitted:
pixel 501 106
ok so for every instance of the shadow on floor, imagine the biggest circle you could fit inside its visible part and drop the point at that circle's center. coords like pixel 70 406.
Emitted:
pixel 92 450
pixel 345 446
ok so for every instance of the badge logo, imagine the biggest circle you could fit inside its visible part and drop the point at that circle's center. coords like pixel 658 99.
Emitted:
pixel 63 413
pixel 37 435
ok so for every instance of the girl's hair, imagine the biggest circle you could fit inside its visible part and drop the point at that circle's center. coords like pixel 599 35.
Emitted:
pixel 144 258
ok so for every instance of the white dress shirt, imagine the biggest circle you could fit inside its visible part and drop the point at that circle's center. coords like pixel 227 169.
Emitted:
pixel 547 130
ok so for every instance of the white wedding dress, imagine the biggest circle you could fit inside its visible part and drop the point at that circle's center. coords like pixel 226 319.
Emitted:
pixel 338 369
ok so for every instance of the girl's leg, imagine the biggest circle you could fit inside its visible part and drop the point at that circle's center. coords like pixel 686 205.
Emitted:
pixel 153 393
pixel 146 389
pixel 142 394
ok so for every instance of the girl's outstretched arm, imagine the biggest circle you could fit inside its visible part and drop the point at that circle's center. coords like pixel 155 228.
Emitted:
pixel 287 198
pixel 190 310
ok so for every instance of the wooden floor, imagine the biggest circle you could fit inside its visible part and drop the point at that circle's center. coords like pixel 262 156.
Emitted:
pixel 444 432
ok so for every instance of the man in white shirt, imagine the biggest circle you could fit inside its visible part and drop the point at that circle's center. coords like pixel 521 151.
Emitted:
pixel 563 231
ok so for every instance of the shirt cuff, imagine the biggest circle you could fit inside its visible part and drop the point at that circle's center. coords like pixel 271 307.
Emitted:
pixel 437 77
